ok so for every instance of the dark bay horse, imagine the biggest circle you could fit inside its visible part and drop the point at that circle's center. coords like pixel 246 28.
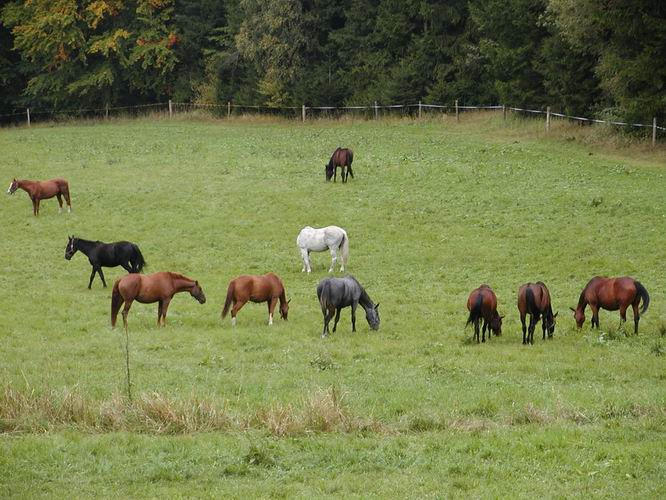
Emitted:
pixel 267 288
pixel 611 294
pixel 336 293
pixel 120 253
pixel 534 299
pixel 342 157
pixel 148 288
pixel 482 304
pixel 42 190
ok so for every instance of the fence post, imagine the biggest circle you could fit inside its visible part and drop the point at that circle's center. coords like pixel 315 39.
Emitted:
pixel 170 109
pixel 547 118
pixel 419 110
pixel 504 112
pixel 106 111
pixel 228 109
pixel 654 131
pixel 27 111
pixel 303 113
pixel 376 111
pixel 457 115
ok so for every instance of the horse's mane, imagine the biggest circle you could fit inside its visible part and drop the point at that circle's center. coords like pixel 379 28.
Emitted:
pixel 180 276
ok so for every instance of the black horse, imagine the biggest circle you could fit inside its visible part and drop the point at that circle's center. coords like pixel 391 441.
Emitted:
pixel 120 253
pixel 336 293
pixel 343 158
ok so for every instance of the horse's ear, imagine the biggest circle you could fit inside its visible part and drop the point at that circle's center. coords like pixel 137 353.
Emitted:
pixel 377 306
pixel 196 282
pixel 288 301
pixel 572 309
pixel 555 315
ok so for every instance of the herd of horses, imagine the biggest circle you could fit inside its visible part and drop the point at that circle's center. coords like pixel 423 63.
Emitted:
pixel 333 294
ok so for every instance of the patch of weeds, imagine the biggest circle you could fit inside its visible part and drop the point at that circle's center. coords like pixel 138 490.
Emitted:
pixel 485 408
pixel 468 340
pixel 435 368
pixel 323 362
pixel 597 201
pixel 657 349
pixel 259 457
pixel 662 329
pixel 421 423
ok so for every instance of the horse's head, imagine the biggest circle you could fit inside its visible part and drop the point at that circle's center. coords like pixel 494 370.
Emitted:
pixel 71 247
pixel 372 315
pixel 12 187
pixel 284 309
pixel 496 324
pixel 197 293
pixel 330 170
pixel 579 316
pixel 550 323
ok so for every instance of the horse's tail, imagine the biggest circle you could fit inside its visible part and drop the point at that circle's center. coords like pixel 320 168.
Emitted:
pixel 139 263
pixel 229 299
pixel 529 300
pixel 324 293
pixel 640 289
pixel 475 312
pixel 344 247
pixel 116 302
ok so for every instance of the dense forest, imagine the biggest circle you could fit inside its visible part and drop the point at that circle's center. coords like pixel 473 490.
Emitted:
pixel 602 58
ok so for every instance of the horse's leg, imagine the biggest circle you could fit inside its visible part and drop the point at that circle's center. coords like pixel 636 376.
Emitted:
pixel 522 321
pixel 271 307
pixel 327 318
pixel 337 318
pixel 128 304
pixel 334 259
pixel 101 275
pixel 483 331
pixel 59 196
pixel 234 310
pixel 35 206
pixel 476 330
pixel 159 311
pixel 353 308
pixel 92 276
pixel 165 306
pixel 623 314
pixel 532 327
pixel 127 267
pixel 349 171
pixel 595 315
pixel 68 200
pixel 343 173
pixel 636 317
pixel 305 255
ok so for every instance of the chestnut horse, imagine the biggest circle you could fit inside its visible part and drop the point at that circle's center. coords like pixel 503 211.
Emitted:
pixel 42 190
pixel 342 157
pixel 482 304
pixel 148 288
pixel 267 288
pixel 534 299
pixel 611 294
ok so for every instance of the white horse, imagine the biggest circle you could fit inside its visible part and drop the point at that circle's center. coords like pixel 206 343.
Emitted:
pixel 312 239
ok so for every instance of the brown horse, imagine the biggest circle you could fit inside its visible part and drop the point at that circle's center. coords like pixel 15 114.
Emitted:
pixel 148 288
pixel 266 288
pixel 611 294
pixel 534 299
pixel 482 304
pixel 342 157
pixel 42 190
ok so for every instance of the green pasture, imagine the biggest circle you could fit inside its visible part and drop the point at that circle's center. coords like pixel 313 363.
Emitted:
pixel 415 409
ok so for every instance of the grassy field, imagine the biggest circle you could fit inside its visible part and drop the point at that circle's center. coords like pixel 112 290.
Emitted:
pixel 415 409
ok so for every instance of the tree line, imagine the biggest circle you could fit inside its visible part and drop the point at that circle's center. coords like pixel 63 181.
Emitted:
pixel 602 58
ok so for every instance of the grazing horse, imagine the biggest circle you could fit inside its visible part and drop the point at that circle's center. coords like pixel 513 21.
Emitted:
pixel 611 294
pixel 333 238
pixel 148 288
pixel 534 299
pixel 42 190
pixel 343 158
pixel 267 288
pixel 120 253
pixel 482 304
pixel 336 293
